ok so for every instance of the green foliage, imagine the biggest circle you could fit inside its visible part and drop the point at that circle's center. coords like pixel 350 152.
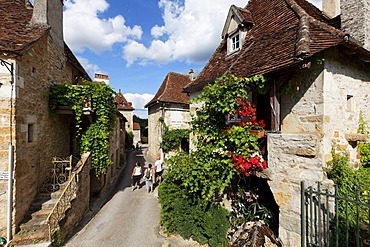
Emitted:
pixel 362 127
pixel 246 206
pixel 143 125
pixel 364 149
pixel 349 182
pixel 96 137
pixel 204 222
pixel 195 182
pixel 171 139
pixel 129 141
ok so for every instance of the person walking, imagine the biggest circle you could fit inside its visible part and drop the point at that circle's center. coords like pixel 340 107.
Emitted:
pixel 136 176
pixel 158 166
pixel 149 177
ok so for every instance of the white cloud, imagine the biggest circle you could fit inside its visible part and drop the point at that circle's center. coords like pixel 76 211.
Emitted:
pixel 138 102
pixel 90 68
pixel 83 29
pixel 192 31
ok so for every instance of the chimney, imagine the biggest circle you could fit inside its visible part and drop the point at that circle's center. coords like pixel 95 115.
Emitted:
pixel 355 20
pixel 191 75
pixel 50 13
pixel 101 78
pixel 330 8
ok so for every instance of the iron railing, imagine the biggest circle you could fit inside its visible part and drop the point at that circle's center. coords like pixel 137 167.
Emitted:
pixel 64 201
pixel 330 219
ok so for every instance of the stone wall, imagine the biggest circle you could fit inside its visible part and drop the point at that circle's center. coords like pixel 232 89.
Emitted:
pixel 357 25
pixel 154 130
pixel 347 96
pixel 38 137
pixel 80 205
pixel 318 115
pixel 292 158
pixel 175 116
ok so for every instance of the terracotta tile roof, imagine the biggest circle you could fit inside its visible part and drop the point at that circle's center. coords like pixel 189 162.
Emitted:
pixel 136 126
pixel 122 103
pixel 284 32
pixel 171 90
pixel 16 34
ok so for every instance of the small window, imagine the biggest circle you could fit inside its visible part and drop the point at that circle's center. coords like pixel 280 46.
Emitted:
pixel 31 133
pixel 235 42
pixel 350 103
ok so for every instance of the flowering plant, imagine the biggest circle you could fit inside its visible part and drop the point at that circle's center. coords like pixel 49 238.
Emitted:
pixel 247 113
pixel 246 206
pixel 254 163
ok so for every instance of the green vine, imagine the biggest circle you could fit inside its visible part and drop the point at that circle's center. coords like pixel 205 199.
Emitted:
pixel 96 137
pixel 172 138
pixel 222 151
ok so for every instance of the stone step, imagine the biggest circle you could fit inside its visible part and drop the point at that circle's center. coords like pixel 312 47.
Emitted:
pixel 31 238
pixel 35 224
pixel 49 204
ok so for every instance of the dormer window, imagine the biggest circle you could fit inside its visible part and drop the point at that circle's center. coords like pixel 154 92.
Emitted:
pixel 235 42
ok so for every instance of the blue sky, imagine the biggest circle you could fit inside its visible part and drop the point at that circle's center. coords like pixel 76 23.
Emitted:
pixel 137 42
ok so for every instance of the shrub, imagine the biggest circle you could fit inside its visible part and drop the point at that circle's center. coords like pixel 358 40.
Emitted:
pixel 349 183
pixel 203 222
pixel 172 138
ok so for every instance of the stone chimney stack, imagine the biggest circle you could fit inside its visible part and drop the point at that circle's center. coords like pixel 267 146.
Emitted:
pixel 50 12
pixel 355 20
pixel 101 78
pixel 191 75
pixel 330 8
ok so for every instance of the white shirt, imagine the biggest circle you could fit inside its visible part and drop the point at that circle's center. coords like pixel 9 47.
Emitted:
pixel 158 163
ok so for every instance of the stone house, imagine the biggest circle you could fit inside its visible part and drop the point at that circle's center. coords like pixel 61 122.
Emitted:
pixel 126 109
pixel 170 107
pixel 318 68
pixel 137 133
pixel 34 57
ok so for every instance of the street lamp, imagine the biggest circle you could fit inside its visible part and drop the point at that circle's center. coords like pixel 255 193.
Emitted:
pixel 10 67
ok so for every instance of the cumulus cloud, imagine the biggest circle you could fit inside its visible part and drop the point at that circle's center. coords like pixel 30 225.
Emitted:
pixel 190 33
pixel 84 29
pixel 138 102
pixel 90 68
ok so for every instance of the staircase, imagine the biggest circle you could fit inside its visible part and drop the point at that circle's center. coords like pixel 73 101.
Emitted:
pixel 36 229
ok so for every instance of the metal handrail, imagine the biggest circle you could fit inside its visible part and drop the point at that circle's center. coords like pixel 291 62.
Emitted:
pixel 60 207
pixel 64 201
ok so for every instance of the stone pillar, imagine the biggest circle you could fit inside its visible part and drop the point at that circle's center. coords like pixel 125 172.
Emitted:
pixel 355 19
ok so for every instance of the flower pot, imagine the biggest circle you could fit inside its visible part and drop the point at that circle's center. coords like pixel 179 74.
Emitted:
pixel 259 133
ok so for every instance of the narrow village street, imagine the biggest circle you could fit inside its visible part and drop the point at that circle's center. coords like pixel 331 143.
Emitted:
pixel 125 218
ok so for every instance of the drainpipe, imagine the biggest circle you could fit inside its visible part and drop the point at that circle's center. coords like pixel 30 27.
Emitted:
pixel 163 115
pixel 10 68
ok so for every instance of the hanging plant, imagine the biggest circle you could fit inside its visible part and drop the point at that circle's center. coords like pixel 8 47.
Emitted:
pixel 99 99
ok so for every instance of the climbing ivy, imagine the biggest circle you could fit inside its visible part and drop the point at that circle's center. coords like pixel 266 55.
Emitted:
pixel 96 137
pixel 171 138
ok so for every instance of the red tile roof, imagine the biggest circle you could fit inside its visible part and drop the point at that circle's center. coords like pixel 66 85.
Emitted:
pixel 15 32
pixel 136 126
pixel 171 90
pixel 122 103
pixel 17 35
pixel 284 32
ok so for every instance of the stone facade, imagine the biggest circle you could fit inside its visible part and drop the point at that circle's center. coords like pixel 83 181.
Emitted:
pixel 316 118
pixel 36 136
pixel 173 115
pixel 358 25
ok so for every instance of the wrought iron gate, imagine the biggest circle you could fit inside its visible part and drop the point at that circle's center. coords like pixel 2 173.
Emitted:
pixel 331 219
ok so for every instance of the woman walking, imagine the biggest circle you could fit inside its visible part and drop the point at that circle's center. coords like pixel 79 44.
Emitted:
pixel 149 177
pixel 136 176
